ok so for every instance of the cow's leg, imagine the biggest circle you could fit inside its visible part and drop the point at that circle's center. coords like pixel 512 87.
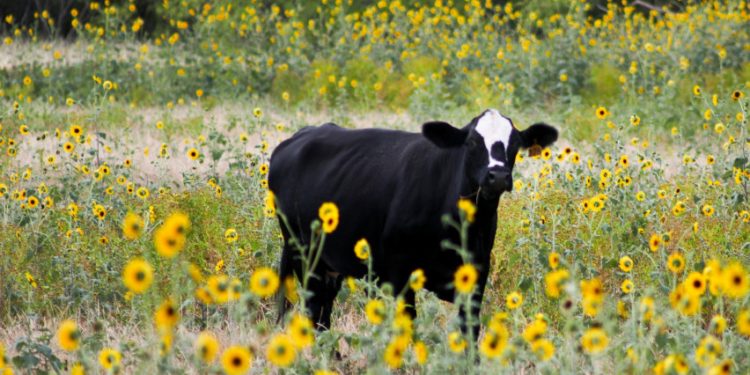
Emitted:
pixel 323 289
pixel 289 267
pixel 398 274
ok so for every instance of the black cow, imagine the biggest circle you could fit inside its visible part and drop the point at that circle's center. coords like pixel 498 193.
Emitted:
pixel 392 188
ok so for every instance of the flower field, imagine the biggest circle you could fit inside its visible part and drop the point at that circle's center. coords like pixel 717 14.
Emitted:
pixel 138 234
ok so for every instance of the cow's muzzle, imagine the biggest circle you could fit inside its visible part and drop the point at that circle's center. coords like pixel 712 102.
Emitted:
pixel 499 180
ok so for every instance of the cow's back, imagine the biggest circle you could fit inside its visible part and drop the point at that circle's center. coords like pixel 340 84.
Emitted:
pixel 364 172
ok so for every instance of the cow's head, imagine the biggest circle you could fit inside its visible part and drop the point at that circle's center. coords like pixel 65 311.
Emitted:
pixel 491 143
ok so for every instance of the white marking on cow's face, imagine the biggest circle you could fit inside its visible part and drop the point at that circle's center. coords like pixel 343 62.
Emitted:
pixel 494 127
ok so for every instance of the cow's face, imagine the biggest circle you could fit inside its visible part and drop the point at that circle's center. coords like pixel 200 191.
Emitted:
pixel 491 143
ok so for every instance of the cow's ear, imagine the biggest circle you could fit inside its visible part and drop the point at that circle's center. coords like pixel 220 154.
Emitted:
pixel 540 134
pixel 444 134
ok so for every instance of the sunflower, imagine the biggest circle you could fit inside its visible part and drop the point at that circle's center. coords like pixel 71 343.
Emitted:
pixel 456 342
pixel 417 280
pixel 395 351
pixel 362 249
pixel 696 90
pixel 553 259
pixel 375 311
pixel 723 368
pixel 218 288
pixel 193 154
pixel 678 208
pixel 137 275
pixel 263 169
pixel 203 295
pixel 270 204
pixel 737 95
pixel 514 300
pixel 736 283
pixel 420 352
pixel 132 226
pixel 230 235
pixel 622 309
pixel 264 282
pixel 142 193
pixel 594 341
pixel 301 331
pixel 290 289
pixel 168 243
pixel 329 216
pixel 591 306
pixel 467 209
pixel 602 113
pixel 646 308
pixel 235 289
pixel 655 242
pixel 68 336
pixel 707 210
pixel 717 325
pixel 465 278
pixel 495 340
pixel 627 286
pixel 109 358
pixel 534 331
pixel 177 223
pixel 553 282
pixel 675 363
pixel 695 283
pixel 626 264
pixel 206 347
pixel 685 303
pixel 592 289
pixel 77 369
pixel 32 202
pixel 403 326
pixel 236 360
pixel 75 131
pixel 544 349
pixel 676 263
pixel 281 351
pixel 166 316
pixel 635 120
pixel 708 352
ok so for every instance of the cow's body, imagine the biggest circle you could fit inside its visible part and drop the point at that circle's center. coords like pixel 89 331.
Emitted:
pixel 392 188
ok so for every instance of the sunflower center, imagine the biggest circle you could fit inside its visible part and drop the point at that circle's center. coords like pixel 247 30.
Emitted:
pixel 737 280
pixel 236 361
pixel 140 275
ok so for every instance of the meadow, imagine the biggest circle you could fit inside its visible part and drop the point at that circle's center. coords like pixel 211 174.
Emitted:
pixel 137 234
